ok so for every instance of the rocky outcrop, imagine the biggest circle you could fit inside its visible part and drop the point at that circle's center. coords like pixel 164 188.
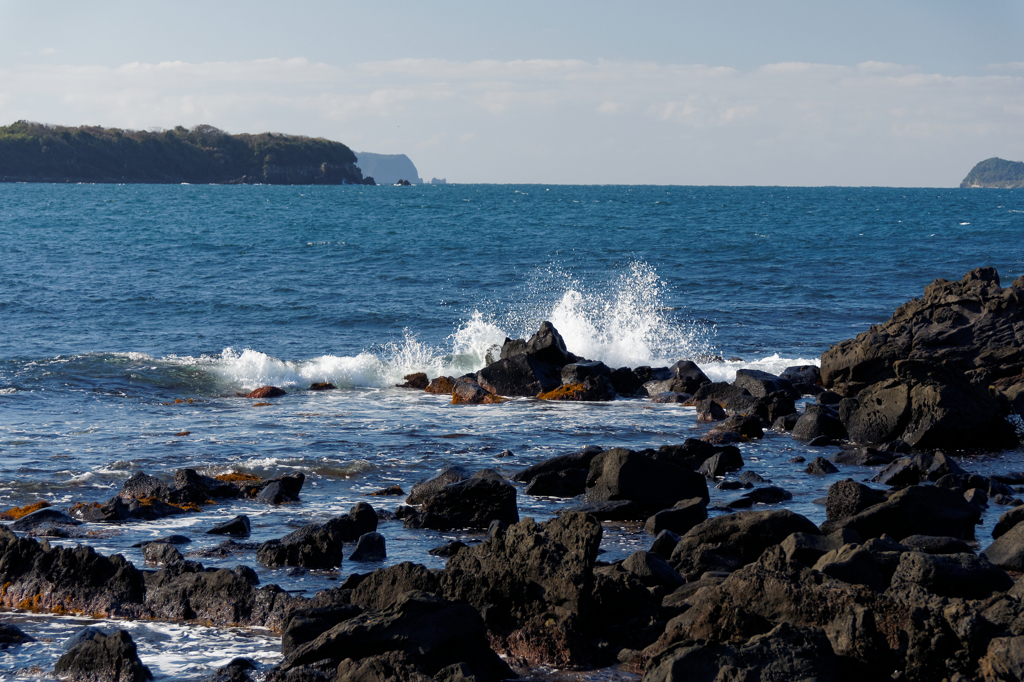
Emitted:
pixel 319 545
pixel 471 503
pixel 923 377
pixel 103 658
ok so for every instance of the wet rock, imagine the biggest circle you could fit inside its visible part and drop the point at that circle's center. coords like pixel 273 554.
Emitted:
pixel 430 631
pixel 238 526
pixel 188 591
pixel 161 553
pixel 448 549
pixel 866 457
pixel 322 386
pixel 520 375
pixel 619 510
pixel 104 658
pixel 191 486
pixel 423 489
pixel 441 386
pixel 813 425
pixel 236 670
pixel 282 490
pixel 710 411
pixel 768 495
pixel 671 398
pixel 472 503
pixel 305 625
pixel 719 391
pixel 578 372
pixel 417 380
pixel 692 453
pixel 619 474
pixel 683 516
pixel 319 545
pixel 579 460
pixel 566 483
pixel 828 398
pixel 963 575
pixel 748 426
pixel 43 517
pixel 1008 520
pixel 625 381
pixel 721 463
pixel 918 510
pixel 921 467
pixel 11 634
pixel 729 542
pixel 547 346
pixel 467 392
pixel 266 392
pixel 820 466
pixel 761 384
pixel 385 586
pixel 591 389
pixel 369 547
pixel 802 374
pixel 751 477
pixel 664 542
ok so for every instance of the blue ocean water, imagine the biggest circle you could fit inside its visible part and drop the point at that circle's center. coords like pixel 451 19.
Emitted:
pixel 115 301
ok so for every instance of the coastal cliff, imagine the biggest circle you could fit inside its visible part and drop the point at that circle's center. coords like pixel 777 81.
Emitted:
pixel 388 169
pixel 996 172
pixel 33 152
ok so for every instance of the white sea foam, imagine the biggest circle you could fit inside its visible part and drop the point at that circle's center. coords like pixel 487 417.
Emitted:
pixel 773 364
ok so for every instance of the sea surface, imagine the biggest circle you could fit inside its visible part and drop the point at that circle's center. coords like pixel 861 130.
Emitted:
pixel 116 301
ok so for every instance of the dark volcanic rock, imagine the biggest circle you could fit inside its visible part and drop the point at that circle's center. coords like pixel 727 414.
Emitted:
pixel 282 490
pixel 918 510
pixel 519 375
pixel 683 516
pixel 729 542
pixel 43 517
pixel 573 460
pixel 1007 551
pixel 925 372
pixel 761 384
pixel 238 526
pixel 385 586
pixel 305 625
pixel 104 658
pixel 848 497
pixel 319 545
pixel 12 634
pixel 369 547
pixel 567 483
pixel 963 575
pixel 429 631
pixel 620 474
pixel 417 380
pixel 820 466
pixel 472 503
pixel 578 372
pixel 421 490
pixel 266 392
pixel 530 575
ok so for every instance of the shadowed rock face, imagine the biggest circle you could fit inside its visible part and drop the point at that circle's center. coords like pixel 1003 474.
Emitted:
pixel 924 375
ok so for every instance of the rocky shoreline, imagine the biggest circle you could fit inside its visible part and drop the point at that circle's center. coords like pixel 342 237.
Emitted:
pixel 889 586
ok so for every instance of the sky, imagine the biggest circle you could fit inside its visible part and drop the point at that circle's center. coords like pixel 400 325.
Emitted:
pixel 902 93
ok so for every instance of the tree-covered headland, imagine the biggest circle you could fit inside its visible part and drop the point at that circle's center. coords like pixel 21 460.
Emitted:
pixel 35 152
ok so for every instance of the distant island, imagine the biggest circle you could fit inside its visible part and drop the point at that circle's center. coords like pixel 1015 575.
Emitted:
pixel 34 152
pixel 388 169
pixel 996 173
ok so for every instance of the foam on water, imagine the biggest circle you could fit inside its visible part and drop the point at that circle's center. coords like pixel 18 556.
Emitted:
pixel 773 364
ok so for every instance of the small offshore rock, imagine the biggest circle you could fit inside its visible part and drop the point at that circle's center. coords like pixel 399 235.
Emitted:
pixel 266 392
pixel 237 526
pixel 417 380
pixel 102 658
pixel 820 466
pixel 369 547
pixel 448 549
pixel 322 386
pixel 161 553
pixel 12 634
pixel 44 516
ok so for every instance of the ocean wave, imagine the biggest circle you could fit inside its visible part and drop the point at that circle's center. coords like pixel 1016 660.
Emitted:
pixel 773 364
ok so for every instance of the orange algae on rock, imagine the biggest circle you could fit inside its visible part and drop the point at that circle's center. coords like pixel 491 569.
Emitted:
pixel 441 386
pixel 237 477
pixel 566 392
pixel 15 513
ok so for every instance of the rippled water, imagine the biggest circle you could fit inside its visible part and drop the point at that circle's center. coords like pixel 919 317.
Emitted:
pixel 118 300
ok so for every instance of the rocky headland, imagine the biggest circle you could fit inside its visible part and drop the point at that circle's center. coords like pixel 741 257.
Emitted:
pixel 996 173
pixel 33 152
pixel 891 585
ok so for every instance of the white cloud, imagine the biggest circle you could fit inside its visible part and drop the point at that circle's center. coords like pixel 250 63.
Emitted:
pixel 550 120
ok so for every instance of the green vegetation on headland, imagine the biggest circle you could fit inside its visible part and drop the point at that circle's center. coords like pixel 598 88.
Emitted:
pixel 996 172
pixel 34 152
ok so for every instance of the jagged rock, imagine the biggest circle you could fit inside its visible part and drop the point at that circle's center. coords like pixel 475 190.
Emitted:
pixel 923 375
pixel 806 375
pixel 619 474
pixel 1008 520
pixel 807 548
pixel 238 526
pixel 43 517
pixel 369 547
pixel 319 545
pixel 721 463
pixel 305 625
pixel 710 411
pixel 652 570
pixel 578 372
pixel 520 375
pixel 104 658
pixel 385 586
pixel 282 490
pixel 472 503
pixel 747 426
pixel 932 544
pixel 1004 660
